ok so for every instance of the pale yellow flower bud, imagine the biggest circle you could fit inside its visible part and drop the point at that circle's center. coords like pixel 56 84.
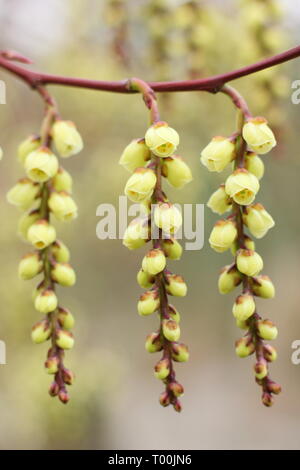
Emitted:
pixel 262 286
pixel 261 370
pixel 175 285
pixel 242 186
pixel 162 139
pixel 176 171
pixel 174 314
pixel 167 217
pixel 254 164
pixel 148 303
pixel 145 280
pixel 270 353
pixel 140 185
pixel 249 262
pixel 135 155
pixel 162 369
pixel 63 206
pixel 154 262
pixel 65 318
pixel 258 220
pixel 41 331
pixel 62 181
pixel 51 365
pixel 23 193
pixel 229 279
pixel 222 235
pixel 64 274
pixel 176 388
pixel 242 324
pixel 65 339
pixel 219 202
pixel 60 252
pixel 172 248
pixel 137 233
pixel 258 135
pixel 244 307
pixel 244 347
pixel 28 145
pixel 67 139
pixel 180 352
pixel 171 330
pixel 248 242
pixel 41 165
pixel 25 223
pixel 153 343
pixel 267 330
pixel 46 301
pixel 218 154
pixel 30 266
pixel 41 234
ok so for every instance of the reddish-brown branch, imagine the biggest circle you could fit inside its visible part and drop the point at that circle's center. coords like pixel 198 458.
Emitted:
pixel 211 84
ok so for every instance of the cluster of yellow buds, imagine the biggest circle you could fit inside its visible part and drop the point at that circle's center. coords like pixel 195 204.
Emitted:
pixel 45 191
pixel 149 159
pixel 237 195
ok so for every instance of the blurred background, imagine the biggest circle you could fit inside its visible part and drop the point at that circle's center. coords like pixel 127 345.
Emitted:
pixel 114 401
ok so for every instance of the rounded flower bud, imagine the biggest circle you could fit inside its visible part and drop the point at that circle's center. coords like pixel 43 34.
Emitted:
pixel 180 352
pixel 148 303
pixel 65 339
pixel 173 313
pixel 68 376
pixel 167 217
pixel 137 233
pixel 28 145
pixel 64 274
pixel 242 324
pixel 41 165
pixel 46 301
pixel 23 193
pixel 270 353
pixel 162 369
pixel 254 164
pixel 261 370
pixel 171 330
pixel 162 139
pixel 153 343
pixel 62 181
pixel 172 248
pixel 63 206
pixel 60 252
pixel 258 220
pixel 267 399
pixel 154 262
pixel 41 234
pixel 25 223
pixel 140 185
pixel 66 137
pixel 249 262
pixel 135 155
pixel 145 280
pixel 65 318
pixel 248 242
pixel 175 285
pixel 222 235
pixel 176 171
pixel 41 331
pixel 30 266
pixel 229 279
pixel 176 388
pixel 258 135
pixel 219 202
pixel 51 365
pixel 267 330
pixel 262 286
pixel 242 186
pixel 244 307
pixel 164 399
pixel 218 154
pixel 244 347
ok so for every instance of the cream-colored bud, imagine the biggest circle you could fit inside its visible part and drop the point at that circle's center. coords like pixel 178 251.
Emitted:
pixel 41 165
pixel 218 154
pixel 242 324
pixel 67 139
pixel 140 185
pixel 258 220
pixel 25 223
pixel 137 233
pixel 41 331
pixel 63 206
pixel 258 135
pixel 267 330
pixel 171 330
pixel 180 352
pixel 51 365
pixel 167 217
pixel 63 274
pixel 174 314
pixel 153 343
pixel 145 280
pixel 222 235
pixel 148 302
pixel 62 181
pixel 28 145
pixel 60 252
pixel 219 202
pixel 244 347
pixel 176 171
pixel 65 339
pixel 254 164
pixel 229 279
pixel 30 266
pixel 249 262
pixel 65 318
pixel 270 354
pixel 242 186
pixel 261 370
pixel 172 248
pixel 244 307
pixel 162 369
pixel 46 301
pixel 154 262
pixel 248 242
pixel 175 285
pixel 135 155
pixel 262 286
pixel 162 139
pixel 23 193
pixel 41 234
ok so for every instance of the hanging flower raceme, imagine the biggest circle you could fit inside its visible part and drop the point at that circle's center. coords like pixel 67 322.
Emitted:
pixel 46 191
pixel 149 159
pixel 238 195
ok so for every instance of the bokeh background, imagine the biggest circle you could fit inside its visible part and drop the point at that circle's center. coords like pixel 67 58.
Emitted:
pixel 114 401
